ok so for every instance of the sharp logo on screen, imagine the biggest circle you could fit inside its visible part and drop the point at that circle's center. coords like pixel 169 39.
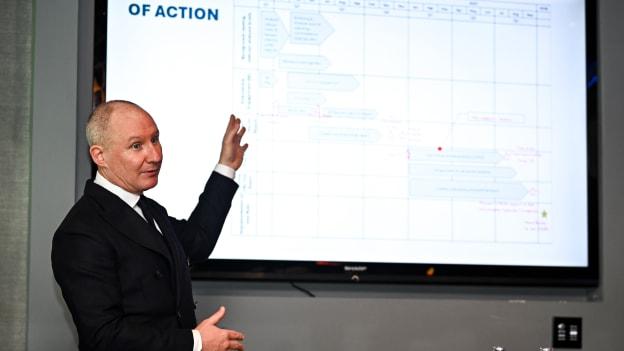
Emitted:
pixel 355 268
pixel 181 12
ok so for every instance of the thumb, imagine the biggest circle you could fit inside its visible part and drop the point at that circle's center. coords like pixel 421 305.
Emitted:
pixel 217 316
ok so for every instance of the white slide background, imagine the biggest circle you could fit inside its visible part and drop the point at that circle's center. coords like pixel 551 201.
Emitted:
pixel 379 131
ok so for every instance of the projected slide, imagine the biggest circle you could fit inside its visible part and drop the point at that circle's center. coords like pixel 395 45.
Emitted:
pixel 379 131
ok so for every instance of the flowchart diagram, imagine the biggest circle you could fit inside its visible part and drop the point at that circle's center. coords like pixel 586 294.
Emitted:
pixel 420 114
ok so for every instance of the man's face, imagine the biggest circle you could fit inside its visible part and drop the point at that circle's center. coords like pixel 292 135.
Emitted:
pixel 132 153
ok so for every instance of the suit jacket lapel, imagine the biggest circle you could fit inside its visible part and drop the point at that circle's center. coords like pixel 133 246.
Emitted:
pixel 127 220
pixel 169 236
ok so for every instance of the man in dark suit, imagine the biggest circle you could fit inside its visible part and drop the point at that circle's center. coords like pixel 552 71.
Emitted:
pixel 121 261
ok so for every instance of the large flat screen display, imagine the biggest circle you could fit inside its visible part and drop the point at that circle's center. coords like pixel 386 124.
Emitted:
pixel 390 140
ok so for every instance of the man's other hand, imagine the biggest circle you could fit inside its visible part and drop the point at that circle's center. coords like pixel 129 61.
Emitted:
pixel 217 339
pixel 232 151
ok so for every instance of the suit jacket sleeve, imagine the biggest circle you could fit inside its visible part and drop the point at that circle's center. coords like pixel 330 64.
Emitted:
pixel 198 235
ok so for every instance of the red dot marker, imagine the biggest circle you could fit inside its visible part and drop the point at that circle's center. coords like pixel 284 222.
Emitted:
pixel 439 148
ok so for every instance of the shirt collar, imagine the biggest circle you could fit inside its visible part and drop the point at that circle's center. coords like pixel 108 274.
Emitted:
pixel 126 196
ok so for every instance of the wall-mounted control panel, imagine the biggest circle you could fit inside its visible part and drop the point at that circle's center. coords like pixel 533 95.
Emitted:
pixel 567 332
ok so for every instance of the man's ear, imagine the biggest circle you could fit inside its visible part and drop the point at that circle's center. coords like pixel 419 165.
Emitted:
pixel 97 155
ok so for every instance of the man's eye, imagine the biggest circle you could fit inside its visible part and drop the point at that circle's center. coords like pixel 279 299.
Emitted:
pixel 135 146
pixel 155 140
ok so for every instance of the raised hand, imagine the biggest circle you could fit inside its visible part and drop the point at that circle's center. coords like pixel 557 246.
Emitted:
pixel 232 152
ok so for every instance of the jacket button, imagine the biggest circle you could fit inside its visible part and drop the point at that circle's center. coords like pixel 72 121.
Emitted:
pixel 157 274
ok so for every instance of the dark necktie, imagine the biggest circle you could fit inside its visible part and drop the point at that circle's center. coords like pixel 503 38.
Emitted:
pixel 149 217
pixel 147 212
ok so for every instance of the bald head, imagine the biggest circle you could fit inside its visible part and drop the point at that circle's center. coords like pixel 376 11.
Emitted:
pixel 124 145
pixel 98 124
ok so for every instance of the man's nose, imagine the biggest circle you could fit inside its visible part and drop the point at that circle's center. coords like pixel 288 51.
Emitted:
pixel 154 153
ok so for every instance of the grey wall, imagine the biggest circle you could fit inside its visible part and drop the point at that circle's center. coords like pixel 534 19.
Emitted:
pixel 15 82
pixel 53 161
pixel 277 317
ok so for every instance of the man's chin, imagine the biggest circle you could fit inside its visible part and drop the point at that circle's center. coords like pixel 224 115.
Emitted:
pixel 149 184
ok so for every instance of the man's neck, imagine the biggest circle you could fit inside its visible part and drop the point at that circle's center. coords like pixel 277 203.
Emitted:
pixel 126 196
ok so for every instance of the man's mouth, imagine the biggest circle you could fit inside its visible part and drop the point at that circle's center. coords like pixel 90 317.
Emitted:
pixel 152 172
